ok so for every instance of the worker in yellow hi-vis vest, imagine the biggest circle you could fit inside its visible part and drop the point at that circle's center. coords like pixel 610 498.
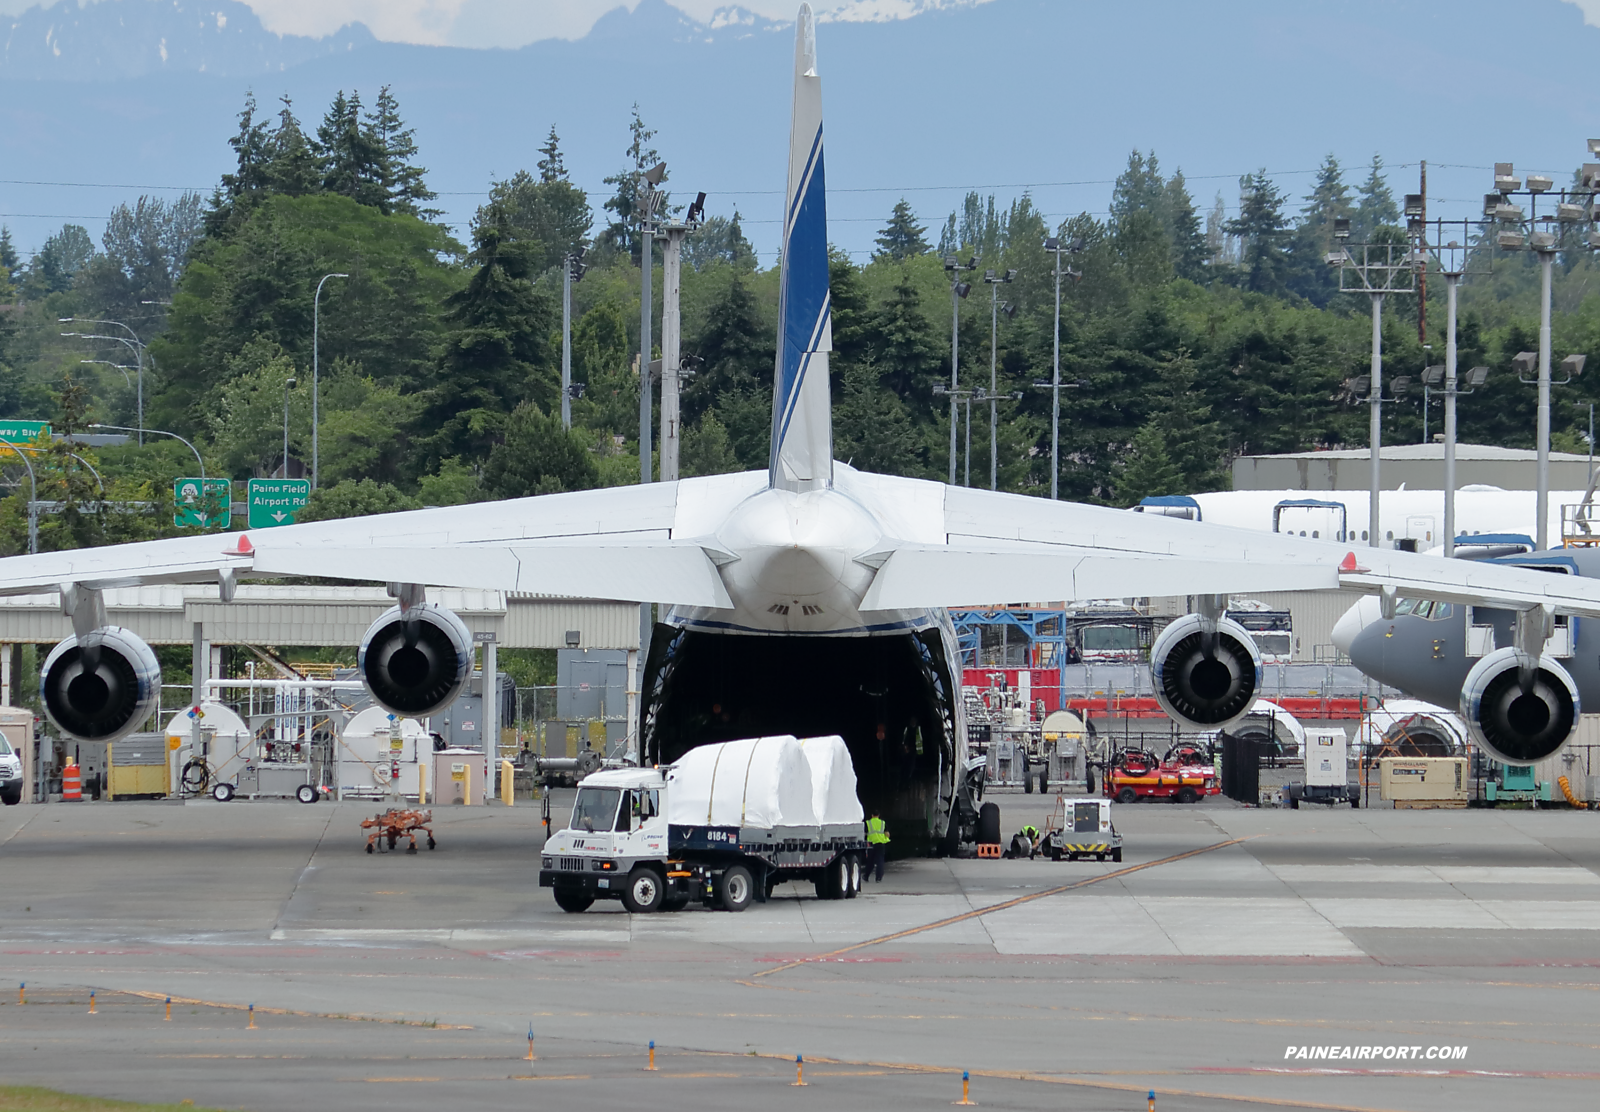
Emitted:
pixel 877 845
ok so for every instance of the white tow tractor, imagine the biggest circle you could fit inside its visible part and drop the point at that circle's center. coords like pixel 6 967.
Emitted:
pixel 724 825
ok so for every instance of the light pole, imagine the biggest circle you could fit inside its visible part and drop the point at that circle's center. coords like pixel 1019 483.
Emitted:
pixel 123 367
pixel 572 268
pixel 135 345
pixel 958 292
pixel 33 498
pixel 228 509
pixel 1454 260
pixel 1383 269
pixel 288 384
pixel 995 281
pixel 1571 208
pixel 316 381
pixel 1054 245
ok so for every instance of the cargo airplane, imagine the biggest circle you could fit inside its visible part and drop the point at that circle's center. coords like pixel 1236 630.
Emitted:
pixel 809 598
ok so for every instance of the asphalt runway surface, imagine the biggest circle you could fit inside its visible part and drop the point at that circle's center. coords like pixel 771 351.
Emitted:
pixel 1226 938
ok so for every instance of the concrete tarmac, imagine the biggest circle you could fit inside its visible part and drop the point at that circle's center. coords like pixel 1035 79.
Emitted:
pixel 410 981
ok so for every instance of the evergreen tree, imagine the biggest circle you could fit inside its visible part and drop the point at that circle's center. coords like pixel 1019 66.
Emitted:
pixel 1147 471
pixel 352 155
pixel 500 335
pixel 1329 198
pixel 1218 242
pixel 735 347
pixel 538 456
pixel 550 215
pixel 401 178
pixel 902 237
pixel 903 345
pixel 1139 188
pixel 249 181
pixel 1190 249
pixel 1375 208
pixel 1308 274
pixel 719 239
pixel 1260 228
pixel 8 251
pixel 623 233
pixel 291 165
pixel 552 167
pixel 872 428
pixel 707 450
pixel 63 256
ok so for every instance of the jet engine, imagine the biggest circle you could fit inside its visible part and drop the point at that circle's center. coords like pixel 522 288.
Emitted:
pixel 415 662
pixel 1519 718
pixel 1205 671
pixel 101 686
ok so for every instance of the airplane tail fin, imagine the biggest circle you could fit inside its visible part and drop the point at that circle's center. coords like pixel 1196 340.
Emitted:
pixel 802 420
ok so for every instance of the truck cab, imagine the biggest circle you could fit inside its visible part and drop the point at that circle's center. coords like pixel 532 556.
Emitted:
pixel 11 785
pixel 618 827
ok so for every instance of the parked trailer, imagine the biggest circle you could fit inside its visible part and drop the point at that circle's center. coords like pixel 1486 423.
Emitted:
pixel 724 826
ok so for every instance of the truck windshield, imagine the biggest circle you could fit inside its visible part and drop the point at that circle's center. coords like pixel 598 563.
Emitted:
pixel 5 747
pixel 595 808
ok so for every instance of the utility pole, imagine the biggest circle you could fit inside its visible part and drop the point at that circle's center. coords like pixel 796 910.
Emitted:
pixel 958 291
pixel 572 268
pixel 1054 245
pixel 994 282
pixel 672 336
pixel 647 208
pixel 671 287
pixel 1382 269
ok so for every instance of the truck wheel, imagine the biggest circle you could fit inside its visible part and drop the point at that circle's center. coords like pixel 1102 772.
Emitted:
pixel 853 889
pixel 1027 776
pixel 642 891
pixel 305 793
pixel 1055 853
pixel 11 796
pixel 1188 795
pixel 573 899
pixel 222 793
pixel 1127 795
pixel 735 888
pixel 1116 855
pixel 1355 801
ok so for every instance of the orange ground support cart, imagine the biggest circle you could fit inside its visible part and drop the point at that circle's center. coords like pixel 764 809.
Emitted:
pixel 396 823
pixel 1182 775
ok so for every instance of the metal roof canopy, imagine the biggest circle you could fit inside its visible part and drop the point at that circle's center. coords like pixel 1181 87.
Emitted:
pixel 316 616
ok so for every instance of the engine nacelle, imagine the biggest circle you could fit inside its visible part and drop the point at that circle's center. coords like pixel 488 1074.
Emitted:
pixel 1205 686
pixel 102 686
pixel 416 663
pixel 1513 726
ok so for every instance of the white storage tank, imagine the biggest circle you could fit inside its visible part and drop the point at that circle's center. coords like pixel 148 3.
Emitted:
pixel 379 754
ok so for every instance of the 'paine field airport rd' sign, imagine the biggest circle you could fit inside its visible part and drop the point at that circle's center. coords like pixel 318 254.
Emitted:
pixel 274 502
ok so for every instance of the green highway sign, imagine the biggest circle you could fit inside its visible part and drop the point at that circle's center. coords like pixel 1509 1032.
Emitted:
pixel 274 502
pixel 195 508
pixel 20 432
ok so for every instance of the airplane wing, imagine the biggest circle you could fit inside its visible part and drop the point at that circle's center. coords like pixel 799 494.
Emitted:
pixel 611 544
pixel 1005 548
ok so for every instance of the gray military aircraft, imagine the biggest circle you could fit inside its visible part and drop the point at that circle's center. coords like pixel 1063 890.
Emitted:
pixel 1519 677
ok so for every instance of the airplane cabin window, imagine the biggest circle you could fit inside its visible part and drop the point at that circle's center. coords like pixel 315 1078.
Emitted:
pixel 1390 537
pixel 1363 534
pixel 1314 533
pixel 1423 609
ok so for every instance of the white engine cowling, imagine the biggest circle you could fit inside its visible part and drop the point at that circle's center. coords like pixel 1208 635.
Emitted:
pixel 1516 727
pixel 100 687
pixel 416 664
pixel 1201 688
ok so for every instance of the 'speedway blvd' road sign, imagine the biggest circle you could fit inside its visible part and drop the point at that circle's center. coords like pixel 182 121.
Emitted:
pixel 23 432
pixel 274 502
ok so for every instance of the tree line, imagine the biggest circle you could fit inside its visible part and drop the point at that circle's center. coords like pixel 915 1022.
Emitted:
pixel 1189 333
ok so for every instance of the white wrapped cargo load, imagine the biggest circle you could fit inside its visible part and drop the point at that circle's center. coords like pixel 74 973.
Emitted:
pixel 833 780
pixel 762 783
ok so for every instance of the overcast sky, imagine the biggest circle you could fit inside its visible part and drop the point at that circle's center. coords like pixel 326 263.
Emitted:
pixel 513 23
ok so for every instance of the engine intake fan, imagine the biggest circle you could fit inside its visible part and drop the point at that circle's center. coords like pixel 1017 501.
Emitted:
pixel 102 686
pixel 1516 726
pixel 1205 680
pixel 416 663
